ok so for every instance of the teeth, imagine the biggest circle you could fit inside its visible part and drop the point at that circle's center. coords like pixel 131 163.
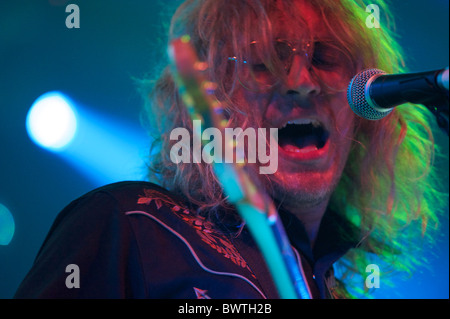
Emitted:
pixel 314 123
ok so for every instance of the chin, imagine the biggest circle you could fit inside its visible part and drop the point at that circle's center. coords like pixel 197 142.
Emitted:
pixel 303 195
pixel 305 188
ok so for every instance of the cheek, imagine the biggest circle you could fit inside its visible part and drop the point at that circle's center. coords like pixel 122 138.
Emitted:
pixel 345 118
pixel 345 137
pixel 250 106
pixel 334 80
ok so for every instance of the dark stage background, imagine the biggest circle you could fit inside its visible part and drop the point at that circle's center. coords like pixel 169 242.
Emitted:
pixel 95 65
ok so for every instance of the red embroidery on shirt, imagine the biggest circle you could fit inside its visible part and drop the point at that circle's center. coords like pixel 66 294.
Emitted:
pixel 203 227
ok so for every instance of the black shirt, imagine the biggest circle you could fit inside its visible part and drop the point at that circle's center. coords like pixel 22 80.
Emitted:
pixel 137 240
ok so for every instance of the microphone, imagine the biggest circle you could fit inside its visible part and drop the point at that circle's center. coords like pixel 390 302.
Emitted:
pixel 372 94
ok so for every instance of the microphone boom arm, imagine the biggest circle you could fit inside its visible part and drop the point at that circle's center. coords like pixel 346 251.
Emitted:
pixel 427 88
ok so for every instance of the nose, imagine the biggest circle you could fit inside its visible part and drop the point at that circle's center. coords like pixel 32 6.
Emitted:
pixel 300 82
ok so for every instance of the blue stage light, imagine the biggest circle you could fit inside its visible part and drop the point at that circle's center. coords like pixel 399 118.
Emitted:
pixel 107 149
pixel 51 121
pixel 103 148
pixel 7 226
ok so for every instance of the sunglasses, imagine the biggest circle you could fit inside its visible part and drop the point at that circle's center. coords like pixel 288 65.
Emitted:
pixel 321 57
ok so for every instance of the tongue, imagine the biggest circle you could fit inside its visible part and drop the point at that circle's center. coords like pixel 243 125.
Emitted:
pixel 295 149
pixel 305 143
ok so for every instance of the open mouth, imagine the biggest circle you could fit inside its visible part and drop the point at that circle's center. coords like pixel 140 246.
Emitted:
pixel 302 136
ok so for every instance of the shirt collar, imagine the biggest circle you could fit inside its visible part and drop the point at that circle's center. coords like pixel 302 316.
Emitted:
pixel 335 236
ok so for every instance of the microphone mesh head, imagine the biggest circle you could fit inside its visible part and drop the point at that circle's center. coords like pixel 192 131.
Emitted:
pixel 356 96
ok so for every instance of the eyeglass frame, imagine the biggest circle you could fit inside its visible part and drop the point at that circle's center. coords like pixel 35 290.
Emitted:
pixel 306 47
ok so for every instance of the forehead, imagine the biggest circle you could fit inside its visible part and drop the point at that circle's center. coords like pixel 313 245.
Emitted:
pixel 297 19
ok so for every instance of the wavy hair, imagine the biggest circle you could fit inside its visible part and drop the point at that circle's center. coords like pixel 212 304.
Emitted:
pixel 388 187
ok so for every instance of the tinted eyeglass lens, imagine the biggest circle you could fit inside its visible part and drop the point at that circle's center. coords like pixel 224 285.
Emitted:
pixel 331 66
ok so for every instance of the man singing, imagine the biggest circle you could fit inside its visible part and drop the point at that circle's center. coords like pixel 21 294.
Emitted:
pixel 348 190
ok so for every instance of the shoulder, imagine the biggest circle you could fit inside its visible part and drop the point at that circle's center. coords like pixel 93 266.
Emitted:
pixel 126 195
pixel 96 233
pixel 172 242
pixel 117 200
pixel 102 217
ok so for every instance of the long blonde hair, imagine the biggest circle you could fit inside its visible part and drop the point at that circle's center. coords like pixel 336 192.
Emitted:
pixel 387 189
